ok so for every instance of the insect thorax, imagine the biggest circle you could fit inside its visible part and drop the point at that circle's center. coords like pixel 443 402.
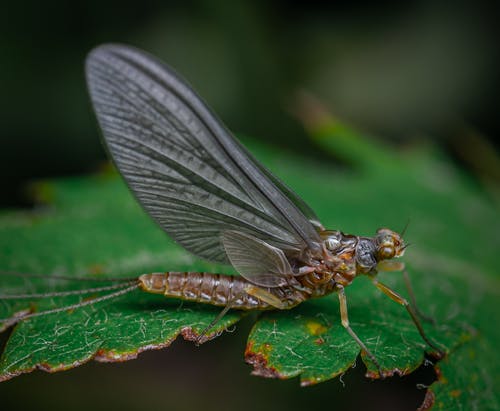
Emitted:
pixel 348 255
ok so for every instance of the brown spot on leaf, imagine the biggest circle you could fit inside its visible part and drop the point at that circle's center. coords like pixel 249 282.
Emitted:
pixel 374 375
pixel 387 373
pixel 439 375
pixel 45 367
pixel 260 361
pixel 319 341
pixel 113 356
pixel 428 402
pixel 190 335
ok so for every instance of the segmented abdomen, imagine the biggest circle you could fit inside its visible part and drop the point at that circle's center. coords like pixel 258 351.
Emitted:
pixel 209 288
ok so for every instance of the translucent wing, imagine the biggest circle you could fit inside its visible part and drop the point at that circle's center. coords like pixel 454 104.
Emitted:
pixel 301 204
pixel 257 261
pixel 182 164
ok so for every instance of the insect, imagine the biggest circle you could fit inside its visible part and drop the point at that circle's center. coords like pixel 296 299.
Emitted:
pixel 213 198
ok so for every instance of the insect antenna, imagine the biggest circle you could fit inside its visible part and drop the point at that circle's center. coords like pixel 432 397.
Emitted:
pixel 405 246
pixel 125 288
pixel 405 228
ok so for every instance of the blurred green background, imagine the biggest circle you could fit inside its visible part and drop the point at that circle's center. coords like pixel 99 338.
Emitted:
pixel 404 72
pixel 398 70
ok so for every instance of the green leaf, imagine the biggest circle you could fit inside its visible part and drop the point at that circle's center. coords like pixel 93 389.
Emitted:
pixel 313 344
pixel 92 226
pixel 466 379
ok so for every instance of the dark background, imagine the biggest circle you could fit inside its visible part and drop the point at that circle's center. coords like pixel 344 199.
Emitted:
pixel 406 72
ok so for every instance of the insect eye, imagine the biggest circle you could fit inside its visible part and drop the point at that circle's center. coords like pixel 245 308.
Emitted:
pixel 386 252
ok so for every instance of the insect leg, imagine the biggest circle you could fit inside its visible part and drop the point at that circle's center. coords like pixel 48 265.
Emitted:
pixel 202 337
pixel 345 323
pixel 390 265
pixel 401 300
pixel 386 265
pixel 414 301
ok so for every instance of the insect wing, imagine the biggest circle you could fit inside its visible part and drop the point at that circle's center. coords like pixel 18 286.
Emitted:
pixel 293 197
pixel 183 165
pixel 257 261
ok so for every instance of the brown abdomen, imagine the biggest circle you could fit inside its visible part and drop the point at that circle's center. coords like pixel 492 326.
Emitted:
pixel 208 288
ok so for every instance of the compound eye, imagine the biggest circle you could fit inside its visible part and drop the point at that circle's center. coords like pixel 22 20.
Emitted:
pixel 386 252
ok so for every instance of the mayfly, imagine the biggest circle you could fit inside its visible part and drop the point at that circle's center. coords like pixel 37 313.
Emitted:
pixel 213 198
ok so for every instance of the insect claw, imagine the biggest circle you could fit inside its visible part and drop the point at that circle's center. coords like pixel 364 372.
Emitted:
pixel 202 337
pixel 381 374
pixel 199 340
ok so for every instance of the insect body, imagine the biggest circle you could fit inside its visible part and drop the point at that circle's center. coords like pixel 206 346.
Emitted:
pixel 344 257
pixel 212 197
